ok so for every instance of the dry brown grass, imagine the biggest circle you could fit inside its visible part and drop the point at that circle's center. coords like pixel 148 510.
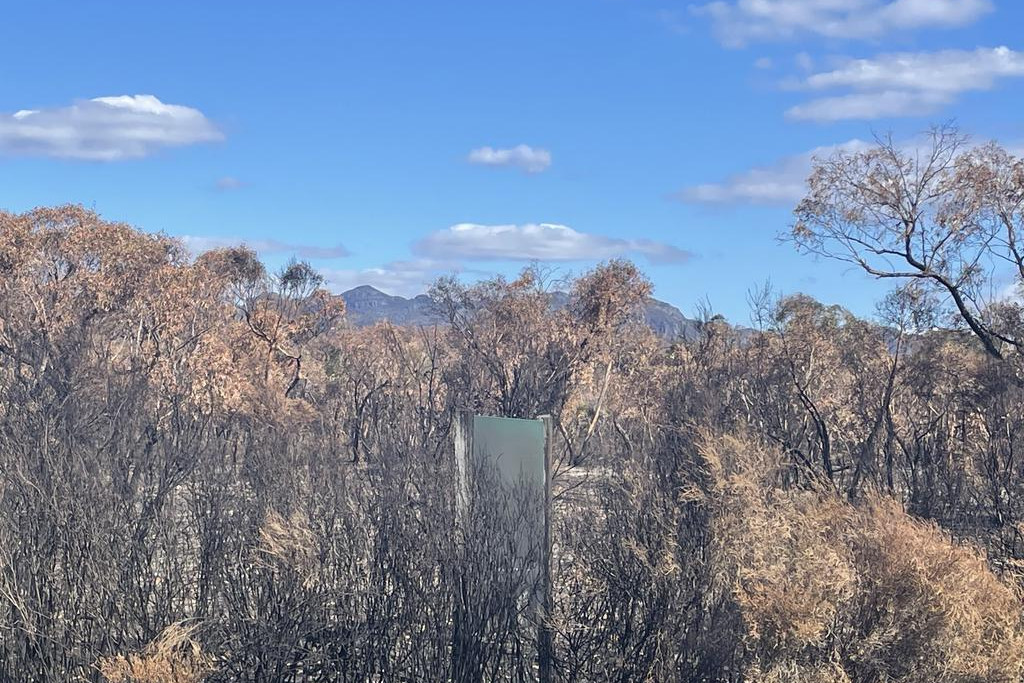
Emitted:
pixel 833 591
pixel 173 657
pixel 288 540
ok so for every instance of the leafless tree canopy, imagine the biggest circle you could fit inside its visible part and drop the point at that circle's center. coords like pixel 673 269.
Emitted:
pixel 206 475
pixel 944 216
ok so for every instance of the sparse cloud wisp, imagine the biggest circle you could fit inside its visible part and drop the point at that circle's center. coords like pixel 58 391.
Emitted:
pixel 199 244
pixel 525 158
pixel 784 182
pixel 737 23
pixel 228 183
pixel 539 242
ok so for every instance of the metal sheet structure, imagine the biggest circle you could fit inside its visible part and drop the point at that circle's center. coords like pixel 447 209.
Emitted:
pixel 514 447
pixel 503 500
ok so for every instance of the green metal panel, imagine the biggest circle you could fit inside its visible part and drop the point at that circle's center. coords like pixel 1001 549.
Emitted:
pixel 515 447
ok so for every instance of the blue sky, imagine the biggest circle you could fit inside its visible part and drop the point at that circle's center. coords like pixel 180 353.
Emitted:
pixel 390 142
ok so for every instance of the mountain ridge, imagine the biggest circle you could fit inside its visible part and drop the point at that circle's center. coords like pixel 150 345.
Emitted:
pixel 366 305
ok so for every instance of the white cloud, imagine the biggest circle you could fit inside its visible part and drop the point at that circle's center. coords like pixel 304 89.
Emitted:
pixel 104 129
pixel 947 70
pixel 228 183
pixel 764 63
pixel 400 278
pixel 199 244
pixel 867 106
pixel 740 22
pixel 784 182
pixel 523 157
pixel 539 242
pixel 905 84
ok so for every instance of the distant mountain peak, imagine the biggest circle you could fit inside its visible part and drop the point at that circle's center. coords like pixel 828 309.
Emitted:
pixel 365 290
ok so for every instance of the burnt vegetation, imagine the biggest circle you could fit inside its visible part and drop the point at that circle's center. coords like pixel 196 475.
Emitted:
pixel 207 475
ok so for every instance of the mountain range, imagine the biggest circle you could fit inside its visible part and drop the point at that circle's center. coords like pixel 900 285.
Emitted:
pixel 366 305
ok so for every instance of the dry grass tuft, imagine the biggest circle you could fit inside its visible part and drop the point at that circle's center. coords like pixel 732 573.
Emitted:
pixel 174 657
pixel 289 543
